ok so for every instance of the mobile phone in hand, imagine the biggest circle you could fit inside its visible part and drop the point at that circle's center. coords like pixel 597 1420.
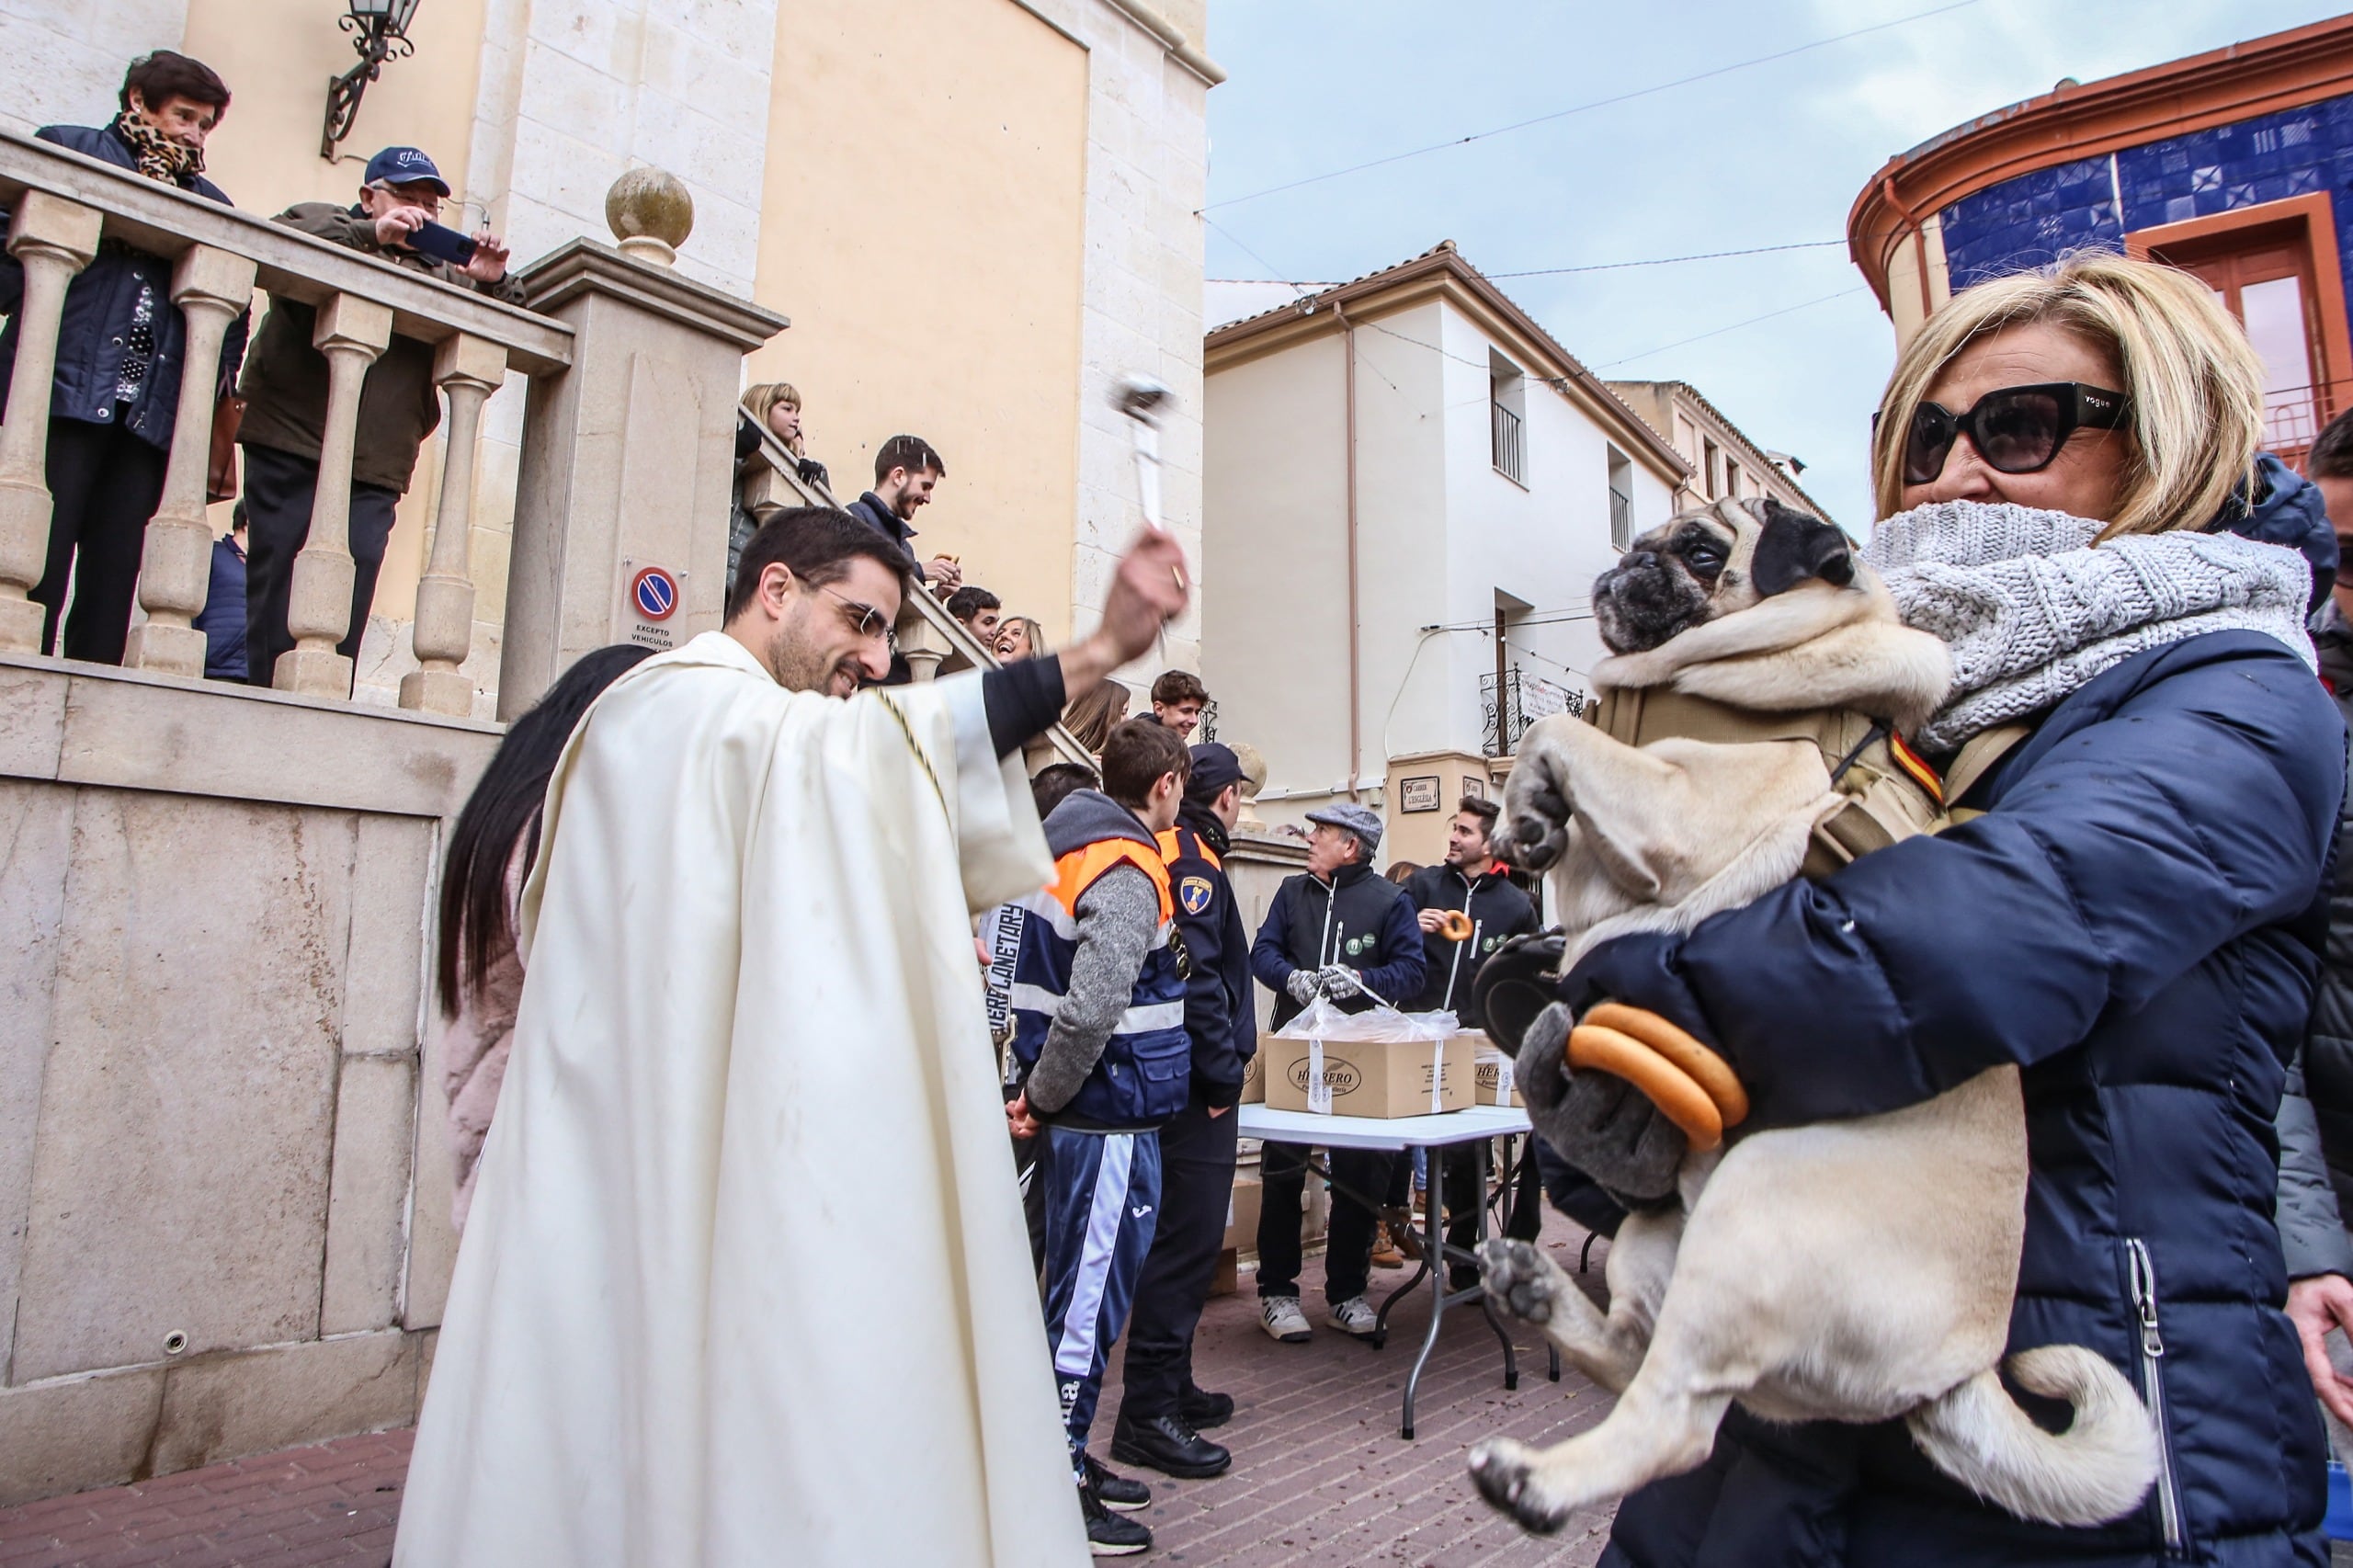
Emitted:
pixel 442 243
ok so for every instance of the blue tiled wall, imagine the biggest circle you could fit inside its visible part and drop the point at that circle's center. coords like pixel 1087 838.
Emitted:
pixel 2028 221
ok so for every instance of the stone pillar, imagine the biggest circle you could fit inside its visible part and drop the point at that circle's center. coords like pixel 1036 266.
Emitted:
pixel 175 570
pixel 468 369
pixel 1253 779
pixel 351 332
pixel 55 239
pixel 627 457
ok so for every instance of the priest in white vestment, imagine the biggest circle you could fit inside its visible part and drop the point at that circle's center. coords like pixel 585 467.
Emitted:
pixel 746 1279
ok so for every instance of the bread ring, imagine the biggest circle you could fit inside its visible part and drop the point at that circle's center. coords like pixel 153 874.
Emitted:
pixel 1707 1068
pixel 1455 925
pixel 1681 1099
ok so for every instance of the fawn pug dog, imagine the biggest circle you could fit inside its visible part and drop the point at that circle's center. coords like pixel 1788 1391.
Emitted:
pixel 1851 1271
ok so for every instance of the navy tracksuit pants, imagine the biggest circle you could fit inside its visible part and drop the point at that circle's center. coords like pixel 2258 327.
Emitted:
pixel 1102 1203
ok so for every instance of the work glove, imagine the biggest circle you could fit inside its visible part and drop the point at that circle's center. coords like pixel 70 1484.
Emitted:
pixel 1303 984
pixel 1595 1120
pixel 1340 981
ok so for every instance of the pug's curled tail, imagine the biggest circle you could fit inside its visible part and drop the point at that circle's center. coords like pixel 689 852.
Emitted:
pixel 2097 1469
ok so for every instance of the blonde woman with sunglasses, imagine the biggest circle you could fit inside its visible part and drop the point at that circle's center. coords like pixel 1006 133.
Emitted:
pixel 2065 463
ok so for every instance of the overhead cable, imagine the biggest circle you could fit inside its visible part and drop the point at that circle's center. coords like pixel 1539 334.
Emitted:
pixel 1595 104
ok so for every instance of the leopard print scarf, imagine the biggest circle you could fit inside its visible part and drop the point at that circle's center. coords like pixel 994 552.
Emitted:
pixel 158 157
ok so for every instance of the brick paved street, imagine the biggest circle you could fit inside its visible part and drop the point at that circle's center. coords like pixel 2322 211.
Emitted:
pixel 1321 1478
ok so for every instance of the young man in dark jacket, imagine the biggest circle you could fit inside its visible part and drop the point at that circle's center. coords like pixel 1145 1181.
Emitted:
pixel 1098 1011
pixel 905 470
pixel 285 389
pixel 1163 1410
pixel 121 346
pixel 1340 931
pixel 1471 879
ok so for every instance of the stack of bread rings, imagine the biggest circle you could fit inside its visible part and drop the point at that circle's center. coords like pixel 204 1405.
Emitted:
pixel 1692 1086
pixel 1455 925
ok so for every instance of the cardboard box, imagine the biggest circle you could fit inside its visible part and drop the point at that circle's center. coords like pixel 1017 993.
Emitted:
pixel 1383 1080
pixel 1242 1215
pixel 1496 1085
pixel 1254 1086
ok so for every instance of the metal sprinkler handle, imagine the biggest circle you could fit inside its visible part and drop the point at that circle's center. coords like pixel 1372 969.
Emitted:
pixel 1143 400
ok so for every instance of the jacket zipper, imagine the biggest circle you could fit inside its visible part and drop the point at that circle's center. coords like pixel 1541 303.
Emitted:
pixel 2152 1390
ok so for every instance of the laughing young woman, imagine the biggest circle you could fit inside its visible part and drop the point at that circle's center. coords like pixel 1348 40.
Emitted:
pixel 2066 466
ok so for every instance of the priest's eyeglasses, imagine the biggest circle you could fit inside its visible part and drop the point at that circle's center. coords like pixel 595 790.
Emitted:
pixel 865 620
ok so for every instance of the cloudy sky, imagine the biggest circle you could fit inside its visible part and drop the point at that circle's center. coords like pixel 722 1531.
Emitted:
pixel 1771 154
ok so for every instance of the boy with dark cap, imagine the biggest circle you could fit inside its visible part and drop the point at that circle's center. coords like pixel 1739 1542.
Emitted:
pixel 1163 1411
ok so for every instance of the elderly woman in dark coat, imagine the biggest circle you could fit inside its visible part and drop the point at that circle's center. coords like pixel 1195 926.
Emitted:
pixel 2135 922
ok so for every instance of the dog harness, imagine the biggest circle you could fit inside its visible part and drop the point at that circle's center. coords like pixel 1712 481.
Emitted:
pixel 1891 791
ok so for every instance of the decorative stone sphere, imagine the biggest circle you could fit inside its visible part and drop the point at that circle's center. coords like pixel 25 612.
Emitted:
pixel 651 213
pixel 1253 766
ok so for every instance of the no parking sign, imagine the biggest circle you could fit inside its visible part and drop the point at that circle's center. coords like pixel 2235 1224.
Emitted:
pixel 650 597
pixel 653 594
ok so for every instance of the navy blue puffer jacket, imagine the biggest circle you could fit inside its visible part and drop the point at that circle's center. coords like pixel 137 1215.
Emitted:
pixel 99 306
pixel 2135 922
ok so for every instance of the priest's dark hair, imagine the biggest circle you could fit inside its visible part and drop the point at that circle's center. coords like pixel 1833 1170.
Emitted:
pixel 816 544
pixel 1137 756
pixel 476 928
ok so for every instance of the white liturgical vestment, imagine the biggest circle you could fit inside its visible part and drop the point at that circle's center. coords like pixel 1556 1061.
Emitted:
pixel 745 1280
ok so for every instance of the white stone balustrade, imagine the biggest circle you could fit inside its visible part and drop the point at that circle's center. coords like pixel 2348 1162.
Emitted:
pixel 467 369
pixel 54 238
pixel 210 286
pixel 61 205
pixel 933 641
pixel 351 333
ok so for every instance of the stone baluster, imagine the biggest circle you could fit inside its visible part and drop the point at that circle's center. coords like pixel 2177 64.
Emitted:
pixel 175 572
pixel 351 333
pixel 468 369
pixel 924 644
pixel 55 239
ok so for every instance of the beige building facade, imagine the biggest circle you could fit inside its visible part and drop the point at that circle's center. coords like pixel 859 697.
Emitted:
pixel 1725 464
pixel 1410 487
pixel 224 1167
pixel 973 239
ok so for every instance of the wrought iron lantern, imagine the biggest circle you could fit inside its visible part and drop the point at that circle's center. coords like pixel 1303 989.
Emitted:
pixel 378 31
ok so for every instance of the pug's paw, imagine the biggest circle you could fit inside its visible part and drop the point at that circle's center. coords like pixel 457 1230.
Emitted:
pixel 1535 843
pixel 1520 1280
pixel 1505 1472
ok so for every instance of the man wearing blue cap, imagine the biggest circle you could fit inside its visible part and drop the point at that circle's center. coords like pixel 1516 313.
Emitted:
pixel 285 389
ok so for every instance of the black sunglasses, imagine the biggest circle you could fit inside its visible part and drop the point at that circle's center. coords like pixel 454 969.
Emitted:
pixel 2015 429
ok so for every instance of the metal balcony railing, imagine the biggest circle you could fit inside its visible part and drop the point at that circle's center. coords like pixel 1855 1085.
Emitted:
pixel 1504 442
pixel 1505 714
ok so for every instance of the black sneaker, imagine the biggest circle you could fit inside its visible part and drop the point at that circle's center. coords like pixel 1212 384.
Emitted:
pixel 1121 1494
pixel 1109 1534
pixel 1203 1411
pixel 1168 1446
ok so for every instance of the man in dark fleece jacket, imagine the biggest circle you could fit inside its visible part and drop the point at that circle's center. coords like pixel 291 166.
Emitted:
pixel 1340 931
pixel 1161 1411
pixel 1098 1024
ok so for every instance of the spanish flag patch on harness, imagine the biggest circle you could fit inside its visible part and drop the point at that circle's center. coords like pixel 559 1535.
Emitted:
pixel 1912 764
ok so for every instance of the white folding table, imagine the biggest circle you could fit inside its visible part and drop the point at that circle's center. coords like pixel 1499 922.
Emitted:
pixel 1474 1126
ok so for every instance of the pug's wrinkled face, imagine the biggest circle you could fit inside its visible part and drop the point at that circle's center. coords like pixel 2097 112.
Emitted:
pixel 1703 566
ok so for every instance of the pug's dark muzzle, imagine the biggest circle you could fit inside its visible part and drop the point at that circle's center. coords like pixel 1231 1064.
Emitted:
pixel 1645 600
pixel 1518 981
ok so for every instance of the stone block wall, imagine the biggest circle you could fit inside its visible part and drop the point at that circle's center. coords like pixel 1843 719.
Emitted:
pixel 223 1182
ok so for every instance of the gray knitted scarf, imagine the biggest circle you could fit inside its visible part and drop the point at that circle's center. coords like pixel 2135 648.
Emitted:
pixel 2031 610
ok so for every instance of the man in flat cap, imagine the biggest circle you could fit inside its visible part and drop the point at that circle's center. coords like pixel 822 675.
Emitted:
pixel 1339 930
